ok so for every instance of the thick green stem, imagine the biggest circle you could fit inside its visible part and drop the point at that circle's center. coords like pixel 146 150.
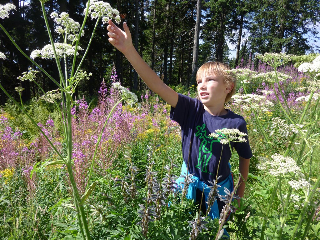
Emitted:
pixel 77 198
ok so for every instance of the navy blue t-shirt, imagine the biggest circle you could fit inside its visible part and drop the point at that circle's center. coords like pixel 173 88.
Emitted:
pixel 205 152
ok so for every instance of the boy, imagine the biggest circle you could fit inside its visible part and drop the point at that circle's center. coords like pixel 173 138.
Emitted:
pixel 204 157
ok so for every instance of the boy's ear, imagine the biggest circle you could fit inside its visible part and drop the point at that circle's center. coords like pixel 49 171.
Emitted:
pixel 230 87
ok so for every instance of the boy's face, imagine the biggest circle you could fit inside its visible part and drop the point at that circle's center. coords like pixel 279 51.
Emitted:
pixel 212 89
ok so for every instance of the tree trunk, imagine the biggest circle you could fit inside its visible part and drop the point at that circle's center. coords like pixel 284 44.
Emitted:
pixel 136 40
pixel 153 33
pixel 196 41
pixel 239 40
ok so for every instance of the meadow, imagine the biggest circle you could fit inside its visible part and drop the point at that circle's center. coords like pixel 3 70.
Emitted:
pixel 73 169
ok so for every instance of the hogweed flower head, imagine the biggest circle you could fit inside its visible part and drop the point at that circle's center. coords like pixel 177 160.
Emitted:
pixel 279 165
pixel 310 67
pixel 227 135
pixel 299 184
pixel 100 9
pixel 5 10
pixel 275 59
pixel 2 56
pixel 66 25
pixel 128 96
pixel 47 51
pixel 30 75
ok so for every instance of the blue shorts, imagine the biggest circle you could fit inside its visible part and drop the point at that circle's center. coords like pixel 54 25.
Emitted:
pixel 197 184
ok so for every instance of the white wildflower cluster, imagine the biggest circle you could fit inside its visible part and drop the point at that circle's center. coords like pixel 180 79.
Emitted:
pixel 19 89
pixel 271 76
pixel 310 67
pixel 2 56
pixel 299 184
pixel 227 135
pixel 280 127
pixel 5 10
pixel 243 74
pixel 100 9
pixel 275 59
pixel 66 25
pixel 62 49
pixel 279 165
pixel 51 96
pixel 306 98
pixel 252 101
pixel 128 96
pixel 30 75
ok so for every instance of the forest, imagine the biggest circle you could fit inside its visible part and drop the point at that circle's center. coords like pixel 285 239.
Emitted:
pixel 173 36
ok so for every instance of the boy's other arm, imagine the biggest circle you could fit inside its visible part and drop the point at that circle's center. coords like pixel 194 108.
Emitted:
pixel 244 171
pixel 123 42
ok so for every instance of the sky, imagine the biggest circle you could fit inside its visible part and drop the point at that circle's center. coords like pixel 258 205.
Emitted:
pixel 314 42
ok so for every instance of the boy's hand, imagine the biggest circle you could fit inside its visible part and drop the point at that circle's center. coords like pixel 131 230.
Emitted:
pixel 120 39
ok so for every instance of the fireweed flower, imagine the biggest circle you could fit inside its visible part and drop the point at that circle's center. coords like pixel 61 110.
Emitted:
pixel 100 9
pixel 227 135
pixel 2 56
pixel 128 96
pixel 279 165
pixel 5 10
pixel 47 51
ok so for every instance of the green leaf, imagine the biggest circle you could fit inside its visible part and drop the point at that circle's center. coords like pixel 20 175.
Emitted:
pixel 88 192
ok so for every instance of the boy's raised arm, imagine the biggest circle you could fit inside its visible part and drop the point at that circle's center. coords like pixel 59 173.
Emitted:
pixel 123 42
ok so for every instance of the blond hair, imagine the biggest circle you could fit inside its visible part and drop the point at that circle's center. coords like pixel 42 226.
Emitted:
pixel 220 69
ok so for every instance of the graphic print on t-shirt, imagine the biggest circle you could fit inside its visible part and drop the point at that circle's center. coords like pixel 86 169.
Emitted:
pixel 205 148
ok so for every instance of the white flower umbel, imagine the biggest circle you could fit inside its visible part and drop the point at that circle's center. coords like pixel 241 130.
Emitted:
pixel 279 165
pixel 128 96
pixel 103 10
pixel 271 77
pixel 227 135
pixel 280 127
pixel 66 25
pixel 306 98
pixel 47 51
pixel 5 10
pixel 2 56
pixel 310 67
pixel 300 184
pixel 30 75
pixel 252 101
pixel 275 59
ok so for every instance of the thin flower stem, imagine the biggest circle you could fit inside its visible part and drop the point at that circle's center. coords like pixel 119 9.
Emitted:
pixel 85 54
pixel 78 39
pixel 52 43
